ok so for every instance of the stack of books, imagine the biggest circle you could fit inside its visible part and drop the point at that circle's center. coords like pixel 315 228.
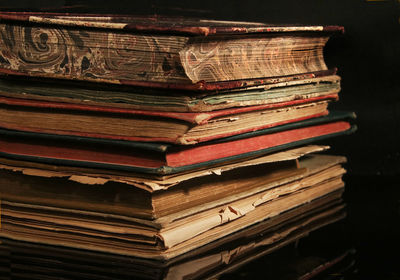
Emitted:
pixel 151 137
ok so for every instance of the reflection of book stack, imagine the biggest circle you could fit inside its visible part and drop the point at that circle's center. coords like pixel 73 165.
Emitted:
pixel 212 260
pixel 202 138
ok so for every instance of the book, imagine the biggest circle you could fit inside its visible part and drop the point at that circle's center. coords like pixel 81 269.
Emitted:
pixel 147 197
pixel 173 235
pixel 157 51
pixel 209 261
pixel 162 159
pixel 152 126
pixel 151 99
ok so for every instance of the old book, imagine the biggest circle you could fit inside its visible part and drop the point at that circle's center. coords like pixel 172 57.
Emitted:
pixel 127 194
pixel 160 159
pixel 212 260
pixel 156 51
pixel 172 100
pixel 152 126
pixel 174 234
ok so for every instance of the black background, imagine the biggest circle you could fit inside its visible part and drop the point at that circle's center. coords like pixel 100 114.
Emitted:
pixel 367 56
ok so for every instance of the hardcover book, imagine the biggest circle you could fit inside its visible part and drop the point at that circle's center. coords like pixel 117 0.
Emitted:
pixel 148 197
pixel 157 51
pixel 152 126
